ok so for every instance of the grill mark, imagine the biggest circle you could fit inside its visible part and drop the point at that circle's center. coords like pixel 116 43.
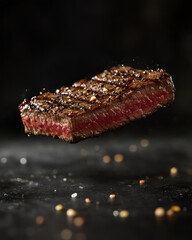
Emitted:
pixel 123 75
pixel 94 85
pixel 126 80
pixel 99 86
pixel 88 88
pixel 52 114
pixel 105 87
pixel 91 96
pixel 58 102
pixel 114 79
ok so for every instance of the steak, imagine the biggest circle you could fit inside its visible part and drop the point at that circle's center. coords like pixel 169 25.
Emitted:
pixel 107 101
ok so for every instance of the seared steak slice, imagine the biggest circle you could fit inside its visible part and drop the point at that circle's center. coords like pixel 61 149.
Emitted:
pixel 90 107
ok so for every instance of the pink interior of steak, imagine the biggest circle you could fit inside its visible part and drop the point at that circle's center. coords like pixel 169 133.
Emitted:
pixel 45 126
pixel 93 123
pixel 142 104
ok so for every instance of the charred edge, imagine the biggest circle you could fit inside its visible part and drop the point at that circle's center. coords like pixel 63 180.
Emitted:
pixel 61 102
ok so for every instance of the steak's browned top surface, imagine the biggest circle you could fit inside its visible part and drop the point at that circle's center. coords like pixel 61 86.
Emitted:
pixel 124 75
pixel 102 90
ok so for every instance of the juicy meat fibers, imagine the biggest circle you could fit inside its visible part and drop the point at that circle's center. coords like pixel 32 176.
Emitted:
pixel 109 100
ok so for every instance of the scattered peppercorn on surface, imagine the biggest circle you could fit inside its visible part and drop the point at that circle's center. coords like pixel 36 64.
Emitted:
pixel 139 186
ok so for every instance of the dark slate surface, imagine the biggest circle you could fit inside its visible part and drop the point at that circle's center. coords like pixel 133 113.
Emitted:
pixel 33 189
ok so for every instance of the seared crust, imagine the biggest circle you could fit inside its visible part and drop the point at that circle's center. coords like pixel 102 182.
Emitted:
pixel 110 87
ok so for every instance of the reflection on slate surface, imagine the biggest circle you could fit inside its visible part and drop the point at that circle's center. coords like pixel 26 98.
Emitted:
pixel 35 188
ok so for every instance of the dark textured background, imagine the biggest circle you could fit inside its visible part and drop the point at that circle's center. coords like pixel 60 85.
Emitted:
pixel 54 43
